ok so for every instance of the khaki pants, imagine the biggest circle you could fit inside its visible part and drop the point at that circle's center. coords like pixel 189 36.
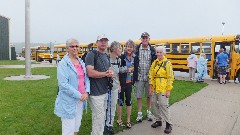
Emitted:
pixel 98 105
pixel 160 107
pixel 192 72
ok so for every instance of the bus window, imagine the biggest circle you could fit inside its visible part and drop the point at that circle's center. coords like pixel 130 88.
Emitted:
pixel 225 45
pixel 167 47
pixel 195 47
pixel 206 47
pixel 175 48
pixel 81 50
pixel 185 48
pixel 55 49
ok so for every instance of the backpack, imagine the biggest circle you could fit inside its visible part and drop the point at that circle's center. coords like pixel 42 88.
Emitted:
pixel 84 56
pixel 163 64
pixel 118 62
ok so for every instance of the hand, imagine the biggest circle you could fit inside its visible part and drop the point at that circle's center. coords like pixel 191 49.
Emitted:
pixel 84 97
pixel 109 73
pixel 167 94
pixel 130 70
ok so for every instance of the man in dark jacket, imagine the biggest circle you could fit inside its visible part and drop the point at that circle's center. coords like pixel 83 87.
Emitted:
pixel 145 55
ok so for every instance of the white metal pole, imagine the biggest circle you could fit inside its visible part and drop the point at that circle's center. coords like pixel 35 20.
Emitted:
pixel 27 40
pixel 223 27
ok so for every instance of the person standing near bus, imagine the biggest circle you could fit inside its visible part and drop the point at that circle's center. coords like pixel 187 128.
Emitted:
pixel 115 52
pixel 201 68
pixel 161 78
pixel 126 83
pixel 58 59
pixel 228 65
pixel 145 55
pixel 74 86
pixel 192 64
pixel 222 61
pixel 100 73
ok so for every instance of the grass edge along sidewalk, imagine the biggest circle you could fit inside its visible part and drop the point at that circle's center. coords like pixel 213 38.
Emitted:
pixel 27 106
pixel 14 62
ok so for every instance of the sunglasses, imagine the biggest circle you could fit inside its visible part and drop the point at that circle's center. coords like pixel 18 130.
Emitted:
pixel 72 46
pixel 144 37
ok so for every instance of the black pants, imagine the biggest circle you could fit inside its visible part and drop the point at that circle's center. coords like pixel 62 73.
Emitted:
pixel 127 91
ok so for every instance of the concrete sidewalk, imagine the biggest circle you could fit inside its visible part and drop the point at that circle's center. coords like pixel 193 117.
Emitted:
pixel 215 110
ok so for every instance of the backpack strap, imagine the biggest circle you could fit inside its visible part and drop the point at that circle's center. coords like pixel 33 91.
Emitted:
pixel 118 62
pixel 163 64
pixel 96 56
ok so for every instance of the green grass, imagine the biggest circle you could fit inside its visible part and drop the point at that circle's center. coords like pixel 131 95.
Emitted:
pixel 13 62
pixel 26 107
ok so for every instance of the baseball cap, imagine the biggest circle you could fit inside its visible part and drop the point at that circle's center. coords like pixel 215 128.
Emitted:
pixel 145 34
pixel 102 37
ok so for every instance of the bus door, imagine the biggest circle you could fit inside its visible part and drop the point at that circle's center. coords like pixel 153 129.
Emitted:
pixel 235 67
pixel 227 48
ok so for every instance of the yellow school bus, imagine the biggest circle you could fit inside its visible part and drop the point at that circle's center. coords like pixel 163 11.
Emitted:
pixel 178 50
pixel 39 53
pixel 60 49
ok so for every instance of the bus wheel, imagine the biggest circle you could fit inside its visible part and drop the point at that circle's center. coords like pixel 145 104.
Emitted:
pixel 39 60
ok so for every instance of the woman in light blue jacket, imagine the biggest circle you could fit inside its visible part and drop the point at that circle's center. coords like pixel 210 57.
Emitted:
pixel 74 87
pixel 201 67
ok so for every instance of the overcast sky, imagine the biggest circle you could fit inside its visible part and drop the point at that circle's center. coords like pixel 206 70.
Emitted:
pixel 58 20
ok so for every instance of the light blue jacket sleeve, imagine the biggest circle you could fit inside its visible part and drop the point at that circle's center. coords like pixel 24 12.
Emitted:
pixel 63 81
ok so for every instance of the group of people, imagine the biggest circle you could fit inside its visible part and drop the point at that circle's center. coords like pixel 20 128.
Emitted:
pixel 106 82
pixel 200 64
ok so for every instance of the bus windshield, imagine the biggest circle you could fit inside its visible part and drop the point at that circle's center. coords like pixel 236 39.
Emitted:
pixel 44 51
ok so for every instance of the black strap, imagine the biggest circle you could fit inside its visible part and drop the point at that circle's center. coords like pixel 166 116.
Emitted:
pixel 118 63
pixel 96 55
pixel 163 64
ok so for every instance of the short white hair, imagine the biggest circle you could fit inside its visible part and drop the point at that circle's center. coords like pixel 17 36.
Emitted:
pixel 70 41
pixel 161 48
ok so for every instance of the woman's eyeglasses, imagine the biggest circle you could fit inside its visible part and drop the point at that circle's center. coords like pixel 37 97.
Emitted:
pixel 72 46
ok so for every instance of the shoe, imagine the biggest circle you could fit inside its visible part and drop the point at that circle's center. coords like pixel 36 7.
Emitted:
pixel 149 115
pixel 128 125
pixel 168 128
pixel 156 124
pixel 139 117
pixel 109 130
pixel 120 123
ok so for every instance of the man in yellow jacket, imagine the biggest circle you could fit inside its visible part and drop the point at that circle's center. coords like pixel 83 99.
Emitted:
pixel 161 78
